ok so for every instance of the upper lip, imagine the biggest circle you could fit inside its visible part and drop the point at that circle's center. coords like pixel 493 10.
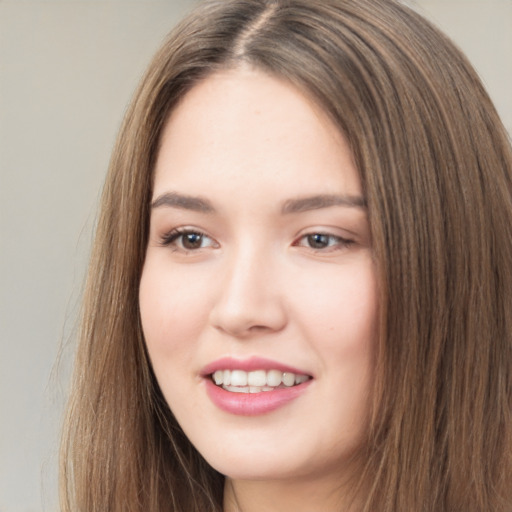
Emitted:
pixel 250 364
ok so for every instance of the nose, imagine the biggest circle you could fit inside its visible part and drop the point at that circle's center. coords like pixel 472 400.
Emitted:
pixel 250 300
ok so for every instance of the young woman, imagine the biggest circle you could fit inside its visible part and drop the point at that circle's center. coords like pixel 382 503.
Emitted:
pixel 300 292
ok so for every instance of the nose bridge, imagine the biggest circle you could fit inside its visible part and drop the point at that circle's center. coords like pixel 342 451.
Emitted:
pixel 250 299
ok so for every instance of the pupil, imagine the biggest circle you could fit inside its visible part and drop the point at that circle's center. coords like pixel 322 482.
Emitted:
pixel 318 241
pixel 192 240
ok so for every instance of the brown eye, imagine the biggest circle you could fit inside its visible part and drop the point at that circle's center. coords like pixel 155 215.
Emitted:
pixel 191 240
pixel 323 242
pixel 318 240
pixel 188 240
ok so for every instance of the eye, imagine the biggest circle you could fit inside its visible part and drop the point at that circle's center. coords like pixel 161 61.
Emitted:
pixel 322 241
pixel 187 240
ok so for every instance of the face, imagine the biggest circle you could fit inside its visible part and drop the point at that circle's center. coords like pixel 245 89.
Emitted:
pixel 258 294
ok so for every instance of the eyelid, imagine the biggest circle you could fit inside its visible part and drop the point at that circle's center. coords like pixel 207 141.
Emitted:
pixel 335 242
pixel 341 242
pixel 170 238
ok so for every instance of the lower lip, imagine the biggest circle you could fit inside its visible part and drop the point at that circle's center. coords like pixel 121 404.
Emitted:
pixel 253 404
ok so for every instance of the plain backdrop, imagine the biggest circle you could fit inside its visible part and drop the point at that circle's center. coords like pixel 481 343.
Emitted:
pixel 67 71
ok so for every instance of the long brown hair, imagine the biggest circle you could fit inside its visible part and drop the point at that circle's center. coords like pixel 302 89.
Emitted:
pixel 436 167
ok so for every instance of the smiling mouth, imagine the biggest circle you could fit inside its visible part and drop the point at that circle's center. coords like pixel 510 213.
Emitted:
pixel 257 381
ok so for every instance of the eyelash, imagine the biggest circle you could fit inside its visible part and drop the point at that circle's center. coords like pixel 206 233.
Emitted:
pixel 339 242
pixel 172 239
pixel 333 242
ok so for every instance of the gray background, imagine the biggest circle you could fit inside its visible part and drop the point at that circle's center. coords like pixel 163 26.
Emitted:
pixel 67 71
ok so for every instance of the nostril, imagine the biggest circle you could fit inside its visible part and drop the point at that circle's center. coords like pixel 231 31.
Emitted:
pixel 259 328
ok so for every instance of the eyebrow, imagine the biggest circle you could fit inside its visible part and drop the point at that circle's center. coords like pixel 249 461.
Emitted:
pixel 322 201
pixel 302 204
pixel 184 202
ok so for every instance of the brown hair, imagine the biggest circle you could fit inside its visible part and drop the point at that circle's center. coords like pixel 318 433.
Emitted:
pixel 436 168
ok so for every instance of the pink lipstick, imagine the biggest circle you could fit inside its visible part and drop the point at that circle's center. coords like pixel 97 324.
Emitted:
pixel 253 386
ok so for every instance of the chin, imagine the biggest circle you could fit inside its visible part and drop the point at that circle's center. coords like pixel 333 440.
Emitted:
pixel 255 463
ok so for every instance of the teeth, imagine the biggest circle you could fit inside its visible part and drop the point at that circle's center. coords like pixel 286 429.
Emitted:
pixel 299 379
pixel 274 378
pixel 237 389
pixel 256 381
pixel 288 379
pixel 248 389
pixel 238 378
pixel 257 378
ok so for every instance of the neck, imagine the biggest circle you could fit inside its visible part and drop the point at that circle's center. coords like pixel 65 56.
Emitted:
pixel 302 495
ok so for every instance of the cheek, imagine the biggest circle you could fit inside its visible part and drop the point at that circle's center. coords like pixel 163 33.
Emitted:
pixel 171 313
pixel 341 322
pixel 340 306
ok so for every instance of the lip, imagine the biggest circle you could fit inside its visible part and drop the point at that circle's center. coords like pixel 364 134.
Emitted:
pixel 251 364
pixel 251 404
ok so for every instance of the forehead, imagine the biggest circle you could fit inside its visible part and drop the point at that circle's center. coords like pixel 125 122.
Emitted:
pixel 238 128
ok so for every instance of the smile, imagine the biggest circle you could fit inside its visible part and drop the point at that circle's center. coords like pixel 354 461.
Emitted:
pixel 256 381
pixel 253 386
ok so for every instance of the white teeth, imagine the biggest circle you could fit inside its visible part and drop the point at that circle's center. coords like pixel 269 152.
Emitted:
pixel 299 379
pixel 288 379
pixel 257 378
pixel 256 381
pixel 274 378
pixel 238 378
pixel 248 389
pixel 237 389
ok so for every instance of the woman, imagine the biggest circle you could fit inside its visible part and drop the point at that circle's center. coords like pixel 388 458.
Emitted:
pixel 299 296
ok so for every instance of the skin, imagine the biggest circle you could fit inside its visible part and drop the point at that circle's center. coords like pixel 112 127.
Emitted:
pixel 254 284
